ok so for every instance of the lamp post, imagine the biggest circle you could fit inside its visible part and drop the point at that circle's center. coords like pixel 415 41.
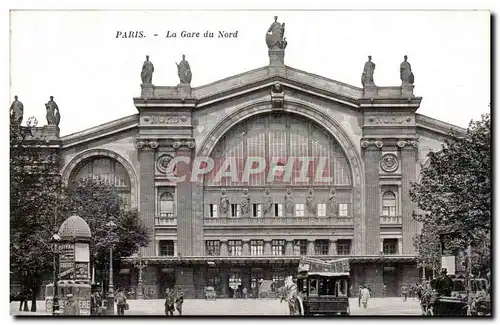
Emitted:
pixel 140 264
pixel 111 296
pixel 55 249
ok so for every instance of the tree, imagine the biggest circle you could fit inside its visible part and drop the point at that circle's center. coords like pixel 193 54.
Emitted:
pixel 428 246
pixel 98 203
pixel 454 194
pixel 34 181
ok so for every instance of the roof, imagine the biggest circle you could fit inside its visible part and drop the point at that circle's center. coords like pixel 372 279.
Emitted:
pixel 74 227
pixel 329 273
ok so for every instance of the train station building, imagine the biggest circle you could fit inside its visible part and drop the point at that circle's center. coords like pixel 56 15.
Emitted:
pixel 236 179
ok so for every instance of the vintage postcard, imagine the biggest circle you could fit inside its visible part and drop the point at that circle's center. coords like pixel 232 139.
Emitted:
pixel 250 163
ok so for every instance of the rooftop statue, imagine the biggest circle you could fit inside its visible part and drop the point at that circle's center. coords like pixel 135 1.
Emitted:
pixel 184 71
pixel 368 71
pixel 147 71
pixel 53 116
pixel 407 77
pixel 275 35
pixel 17 110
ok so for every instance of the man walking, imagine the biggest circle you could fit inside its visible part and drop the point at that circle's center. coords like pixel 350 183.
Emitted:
pixel 169 303
pixel 121 301
pixel 360 291
pixel 404 292
pixel 365 294
pixel 179 300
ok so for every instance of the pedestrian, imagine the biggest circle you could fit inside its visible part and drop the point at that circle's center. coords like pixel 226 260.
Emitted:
pixel 360 291
pixel 365 295
pixel 404 292
pixel 245 293
pixel 370 290
pixel 121 302
pixel 169 303
pixel 71 308
pixel 179 300
pixel 385 291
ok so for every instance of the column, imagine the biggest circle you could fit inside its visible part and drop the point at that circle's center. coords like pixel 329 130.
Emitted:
pixel 184 215
pixel 400 246
pixel 332 250
pixel 175 248
pixel 381 245
pixel 157 244
pixel 246 248
pixel 147 191
pixel 408 175
pixel 223 248
pixel 267 248
pixel 372 199
pixel 289 248
pixel 310 247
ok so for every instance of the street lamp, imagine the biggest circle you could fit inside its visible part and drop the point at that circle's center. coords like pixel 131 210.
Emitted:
pixel 54 241
pixel 140 264
pixel 111 297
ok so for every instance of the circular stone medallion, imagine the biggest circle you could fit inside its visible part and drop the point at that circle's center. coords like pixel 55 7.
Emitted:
pixel 389 163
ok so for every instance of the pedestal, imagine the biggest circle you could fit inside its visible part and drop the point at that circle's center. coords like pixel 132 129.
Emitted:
pixel 276 57
pixel 184 90
pixel 407 91
pixel 370 91
pixel 147 90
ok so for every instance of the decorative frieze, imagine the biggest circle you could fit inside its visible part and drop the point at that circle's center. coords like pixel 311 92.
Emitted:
pixel 379 143
pixel 391 120
pixel 169 119
pixel 176 143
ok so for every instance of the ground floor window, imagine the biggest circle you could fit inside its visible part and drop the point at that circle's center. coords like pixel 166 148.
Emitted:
pixel 256 247
pixel 390 246
pixel 167 248
pixel 212 247
pixel 278 247
pixel 234 247
pixel 344 247
pixel 300 247
pixel 321 246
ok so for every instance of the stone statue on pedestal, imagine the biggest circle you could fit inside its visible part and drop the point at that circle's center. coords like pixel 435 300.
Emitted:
pixel 267 207
pixel 245 204
pixel 367 75
pixel 310 204
pixel 223 204
pixel 184 71
pixel 17 110
pixel 407 77
pixel 53 116
pixel 332 205
pixel 289 203
pixel 147 71
pixel 275 35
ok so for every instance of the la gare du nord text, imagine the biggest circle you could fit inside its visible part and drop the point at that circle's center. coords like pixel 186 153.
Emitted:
pixel 182 34
pixel 293 170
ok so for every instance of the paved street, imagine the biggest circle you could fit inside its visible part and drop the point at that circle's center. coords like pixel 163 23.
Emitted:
pixel 376 306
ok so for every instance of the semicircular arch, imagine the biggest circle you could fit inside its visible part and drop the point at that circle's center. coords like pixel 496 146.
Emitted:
pixel 82 157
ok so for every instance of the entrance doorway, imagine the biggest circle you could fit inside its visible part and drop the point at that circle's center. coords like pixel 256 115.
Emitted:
pixel 166 280
pixel 390 277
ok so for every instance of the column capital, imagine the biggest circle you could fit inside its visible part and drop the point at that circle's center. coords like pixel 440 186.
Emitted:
pixel 408 143
pixel 146 144
pixel 371 142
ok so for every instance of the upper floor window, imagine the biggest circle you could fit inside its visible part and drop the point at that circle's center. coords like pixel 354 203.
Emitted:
pixel 321 210
pixel 321 246
pixel 212 247
pixel 300 247
pixel 212 213
pixel 299 210
pixel 344 247
pixel 234 247
pixel 343 210
pixel 278 210
pixel 256 247
pixel 278 247
pixel 167 207
pixel 167 248
pixel 389 204
pixel 235 211
pixel 390 246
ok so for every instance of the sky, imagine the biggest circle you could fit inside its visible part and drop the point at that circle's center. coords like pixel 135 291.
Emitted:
pixel 93 76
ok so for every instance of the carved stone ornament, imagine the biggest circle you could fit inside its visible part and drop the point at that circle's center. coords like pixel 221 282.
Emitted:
pixel 190 144
pixel 277 96
pixel 153 144
pixel 403 143
pixel 163 161
pixel 365 143
pixel 140 144
pixel 176 144
pixel 389 163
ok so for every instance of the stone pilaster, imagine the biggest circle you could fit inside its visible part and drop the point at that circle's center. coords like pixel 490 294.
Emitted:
pixel 147 190
pixel 246 248
pixel 332 249
pixel 409 156
pixel 223 248
pixel 289 248
pixel 267 248
pixel 310 247
pixel 372 156
pixel 184 215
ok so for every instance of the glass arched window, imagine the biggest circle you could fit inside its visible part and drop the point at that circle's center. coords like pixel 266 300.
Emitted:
pixel 108 170
pixel 389 204
pixel 167 206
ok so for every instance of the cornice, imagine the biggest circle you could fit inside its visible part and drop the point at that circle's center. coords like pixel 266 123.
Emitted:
pixel 434 125
pixel 103 130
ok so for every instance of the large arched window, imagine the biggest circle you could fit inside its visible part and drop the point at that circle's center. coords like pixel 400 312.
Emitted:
pixel 389 204
pixel 280 138
pixel 110 171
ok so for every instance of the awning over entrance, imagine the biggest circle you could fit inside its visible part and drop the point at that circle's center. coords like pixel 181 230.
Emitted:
pixel 213 261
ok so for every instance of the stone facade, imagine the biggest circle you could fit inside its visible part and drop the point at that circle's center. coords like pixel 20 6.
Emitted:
pixel 374 138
